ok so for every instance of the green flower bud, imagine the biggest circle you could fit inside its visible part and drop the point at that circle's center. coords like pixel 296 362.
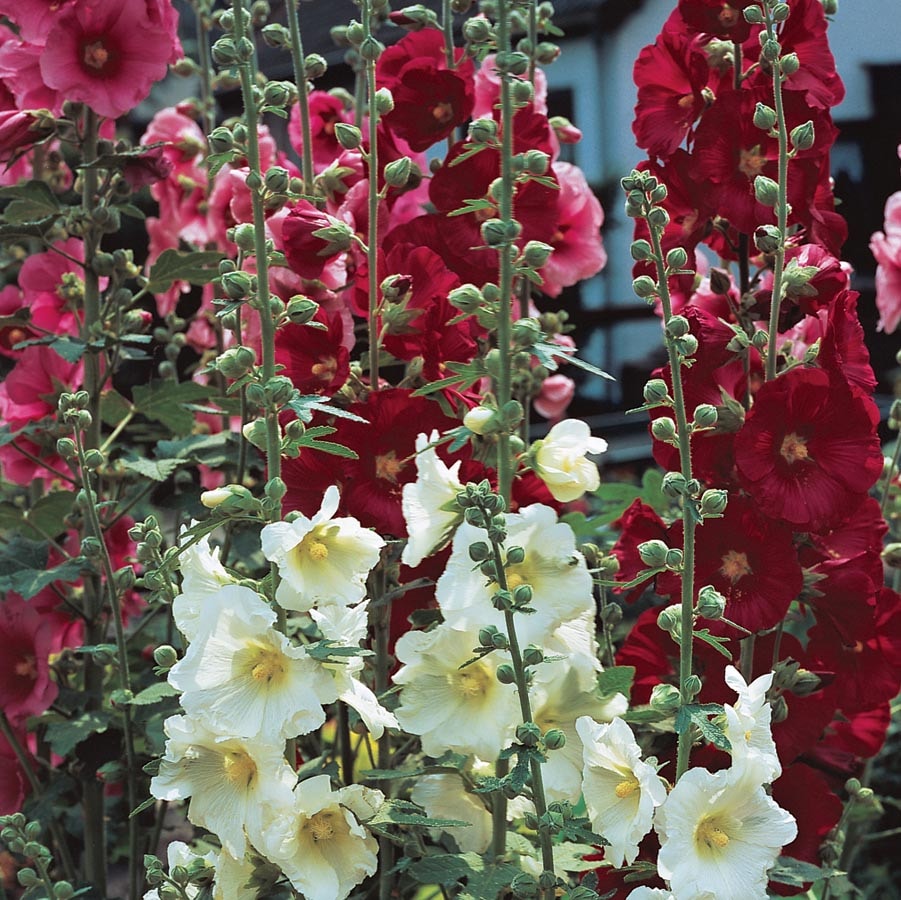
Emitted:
pixel 711 603
pixel 481 420
pixel 314 66
pixel 486 635
pixel 692 686
pixel 677 258
pixel 483 131
pixel 656 391
pixel 803 137
pixel 522 595
pixel 658 217
pixel 713 503
pixel 515 555
pixel 764 116
pixel 532 655
pixel 536 253
pixel 770 49
pixel 276 36
pixel 554 739
pixel 301 310
pixel 66 448
pixel 91 547
pixel 645 287
pixel 384 102
pixel 467 298
pixel 753 15
pixel 641 250
pixel 479 551
pixel 766 191
pixel 277 180
pixel 236 361
pixel 505 674
pixel 665 699
pixel 224 52
pixel 673 485
pixel 237 285
pixel 63 890
pixel 789 64
pixel 678 326
pixel 673 559
pixel 664 429
pixel 28 877
pixel 500 641
pixel 669 619
pixel 653 553
pixel 397 172
pixel 528 734
pixel 805 683
pixel 536 162
pixel 165 656
pixel 511 62
pixel 687 345
pixel 497 233
pixel 705 416
pixel 781 12
pixel 522 92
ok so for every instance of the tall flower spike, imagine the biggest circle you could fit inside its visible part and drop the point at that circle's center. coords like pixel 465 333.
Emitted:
pixel 322 560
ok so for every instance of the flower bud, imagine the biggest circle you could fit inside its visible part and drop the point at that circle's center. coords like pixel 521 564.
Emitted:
pixel 665 699
pixel 486 635
pixel 711 603
pixel 770 49
pixel 314 66
pixel 236 361
pixel 384 102
pixel 664 429
pixel 536 253
pixel 483 131
pixel 554 739
pixel 276 36
pixel 237 285
pixel 677 258
pixel 511 62
pixel 165 656
pixel 705 416
pixel 522 92
pixel 658 217
pixel 528 734
pixel 656 391
pixel 500 641
pixel 768 238
pixel 789 64
pixel 678 326
pixel 532 655
pixel 66 448
pixel 713 503
pixel 645 287
pixel 891 555
pixel 27 876
pixel 803 137
pixel 692 686
pixel 653 553
pixel 497 233
pixel 397 172
pixel 764 116
pixel 301 310
pixel 467 298
pixel 669 619
pixel 673 559
pixel 766 191
pixel 505 674
pixel 479 419
pixel 674 485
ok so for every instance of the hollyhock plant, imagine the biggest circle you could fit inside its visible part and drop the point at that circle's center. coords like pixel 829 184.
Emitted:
pixel 886 248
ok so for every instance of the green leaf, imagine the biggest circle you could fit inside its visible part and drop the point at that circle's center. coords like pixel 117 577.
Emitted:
pixel 569 857
pixel 30 581
pixel 197 267
pixel 43 520
pixel 70 349
pixel 310 439
pixel 211 449
pixel 305 405
pixel 154 694
pixel 472 206
pixel 64 736
pixel 146 804
pixel 114 408
pixel 484 880
pixel 30 201
pixel 703 634
pixel 154 469
pixel 797 873
pixel 616 680
pixel 698 713
pixel 391 774
pixel 18 230
pixel 163 401
pixel 403 812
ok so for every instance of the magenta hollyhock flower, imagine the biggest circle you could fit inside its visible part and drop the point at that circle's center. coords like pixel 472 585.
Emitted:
pixel 108 54
pixel 19 131
pixel 886 247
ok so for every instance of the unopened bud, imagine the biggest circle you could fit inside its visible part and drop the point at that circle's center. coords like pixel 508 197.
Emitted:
pixel 653 553
pixel 713 503
pixel 478 418
pixel 766 191
pixel 664 429
pixel 655 391
pixel 554 739
pixel 705 416
pixel 165 656
pixel 711 603
pixel 665 699
pixel 669 619
pixel 505 674
pixel 645 287
pixel 764 116
pixel 397 172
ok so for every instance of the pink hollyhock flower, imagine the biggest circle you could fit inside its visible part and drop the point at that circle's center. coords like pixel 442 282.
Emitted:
pixel 326 111
pixel 13 781
pixel 20 69
pixel 488 91
pixel 34 20
pixel 28 635
pixel 557 392
pixel 19 131
pixel 53 288
pixel 808 451
pixel 578 249
pixel 886 248
pixel 109 53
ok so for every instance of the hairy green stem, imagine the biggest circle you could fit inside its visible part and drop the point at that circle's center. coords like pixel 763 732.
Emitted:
pixel 372 240
pixel 689 523
pixel 447 28
pixel 300 79
pixel 781 202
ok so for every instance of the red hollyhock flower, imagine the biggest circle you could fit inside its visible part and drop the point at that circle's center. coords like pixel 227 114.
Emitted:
pixel 717 17
pixel 371 486
pixel 843 348
pixel 639 523
pixel 732 151
pixel 749 559
pixel 858 538
pixel 108 54
pixel 307 254
pixel 808 451
pixel 430 100
pixel 13 781
pixel 315 359
pixel 671 75
pixel 326 111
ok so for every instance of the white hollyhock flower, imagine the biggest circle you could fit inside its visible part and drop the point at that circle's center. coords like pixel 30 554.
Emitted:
pixel 621 791
pixel 560 460
pixel 320 844
pixel 429 525
pixel 202 576
pixel 244 678
pixel 558 700
pixel 748 723
pixel 347 626
pixel 720 833
pixel 233 878
pixel 234 784
pixel 649 893
pixel 178 853
pixel 556 571
pixel 322 560
pixel 443 796
pixel 466 710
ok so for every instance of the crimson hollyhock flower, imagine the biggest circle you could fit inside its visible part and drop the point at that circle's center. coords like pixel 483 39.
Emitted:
pixel 808 451
pixel 315 359
pixel 108 54
pixel 671 75
pixel 326 111
pixel 749 559
pixel 843 348
pixel 13 781
pixel 430 99
pixel 639 523
pixel 731 151
pixel 307 253
pixel 385 443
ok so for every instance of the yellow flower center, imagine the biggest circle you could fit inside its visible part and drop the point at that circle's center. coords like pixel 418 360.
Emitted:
pixel 239 768
pixel 321 826
pixel 318 551
pixel 626 788
pixel 751 162
pixel 26 667
pixel 711 835
pixel 388 466
pixel 267 663
pixel 735 565
pixel 473 681
pixel 313 547
pixel 794 448
pixel 325 369
pixel 95 55
pixel 443 113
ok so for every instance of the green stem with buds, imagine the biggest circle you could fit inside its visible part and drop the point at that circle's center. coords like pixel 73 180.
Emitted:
pixel 300 78
pixel 373 236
